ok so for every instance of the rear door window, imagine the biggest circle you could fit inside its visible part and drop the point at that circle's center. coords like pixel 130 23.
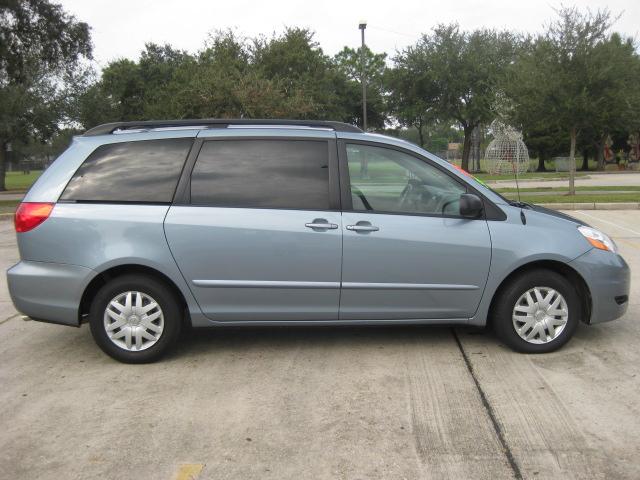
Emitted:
pixel 262 174
pixel 145 171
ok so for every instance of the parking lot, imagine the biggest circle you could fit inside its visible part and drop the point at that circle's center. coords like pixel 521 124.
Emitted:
pixel 365 403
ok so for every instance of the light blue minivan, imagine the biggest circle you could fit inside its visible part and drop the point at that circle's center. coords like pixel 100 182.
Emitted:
pixel 141 228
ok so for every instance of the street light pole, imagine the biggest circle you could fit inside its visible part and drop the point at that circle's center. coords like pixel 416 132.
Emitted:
pixel 363 77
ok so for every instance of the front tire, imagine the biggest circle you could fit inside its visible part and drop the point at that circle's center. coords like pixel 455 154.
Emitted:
pixel 537 312
pixel 135 318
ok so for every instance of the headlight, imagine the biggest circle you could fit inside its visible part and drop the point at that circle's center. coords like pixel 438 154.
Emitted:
pixel 598 239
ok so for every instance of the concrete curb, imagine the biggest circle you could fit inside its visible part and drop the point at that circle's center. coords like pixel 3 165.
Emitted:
pixel 592 206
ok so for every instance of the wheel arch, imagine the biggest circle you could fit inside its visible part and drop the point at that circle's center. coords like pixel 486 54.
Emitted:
pixel 584 294
pixel 105 276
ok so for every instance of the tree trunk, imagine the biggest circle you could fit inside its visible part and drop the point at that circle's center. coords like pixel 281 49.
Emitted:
pixel 572 163
pixel 475 146
pixel 585 160
pixel 541 167
pixel 600 153
pixel 3 167
pixel 466 149
pixel 420 133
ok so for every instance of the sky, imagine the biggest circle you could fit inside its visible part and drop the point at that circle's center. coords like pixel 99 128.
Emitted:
pixel 121 28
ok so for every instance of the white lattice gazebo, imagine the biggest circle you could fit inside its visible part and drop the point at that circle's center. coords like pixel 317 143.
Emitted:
pixel 507 153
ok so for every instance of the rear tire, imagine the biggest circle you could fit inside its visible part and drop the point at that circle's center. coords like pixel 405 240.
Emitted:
pixel 537 312
pixel 135 318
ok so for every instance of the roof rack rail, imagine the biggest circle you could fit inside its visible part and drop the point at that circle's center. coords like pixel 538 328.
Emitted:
pixel 109 128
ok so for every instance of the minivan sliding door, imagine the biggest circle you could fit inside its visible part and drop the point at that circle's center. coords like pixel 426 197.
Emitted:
pixel 258 233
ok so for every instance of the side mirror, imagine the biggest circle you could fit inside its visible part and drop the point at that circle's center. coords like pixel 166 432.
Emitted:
pixel 470 205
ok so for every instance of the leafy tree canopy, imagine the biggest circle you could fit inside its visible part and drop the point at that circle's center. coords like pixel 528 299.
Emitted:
pixel 41 48
pixel 576 77
pixel 453 75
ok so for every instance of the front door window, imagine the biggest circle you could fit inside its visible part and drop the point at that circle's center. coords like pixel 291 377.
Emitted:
pixel 390 181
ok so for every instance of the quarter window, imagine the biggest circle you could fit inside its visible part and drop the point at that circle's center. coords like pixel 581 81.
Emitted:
pixel 387 180
pixel 144 171
pixel 262 174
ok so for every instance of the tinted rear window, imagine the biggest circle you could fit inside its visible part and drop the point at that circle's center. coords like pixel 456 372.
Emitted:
pixel 262 173
pixel 145 171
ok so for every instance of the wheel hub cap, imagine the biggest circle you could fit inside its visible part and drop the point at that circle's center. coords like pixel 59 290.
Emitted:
pixel 133 321
pixel 540 315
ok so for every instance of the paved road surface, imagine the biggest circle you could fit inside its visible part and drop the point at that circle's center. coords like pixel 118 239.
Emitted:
pixel 365 403
pixel 11 196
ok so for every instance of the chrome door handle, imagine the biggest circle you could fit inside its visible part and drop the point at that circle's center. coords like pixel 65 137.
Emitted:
pixel 323 225
pixel 363 228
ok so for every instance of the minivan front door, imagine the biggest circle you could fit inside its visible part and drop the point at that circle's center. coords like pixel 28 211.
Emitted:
pixel 259 237
pixel 407 254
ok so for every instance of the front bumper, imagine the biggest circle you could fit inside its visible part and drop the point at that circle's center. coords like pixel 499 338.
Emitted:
pixel 609 279
pixel 49 292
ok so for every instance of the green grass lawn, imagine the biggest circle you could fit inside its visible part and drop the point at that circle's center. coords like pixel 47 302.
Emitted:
pixel 19 181
pixel 564 198
pixel 561 190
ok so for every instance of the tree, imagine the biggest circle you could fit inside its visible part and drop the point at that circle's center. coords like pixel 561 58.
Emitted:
pixel 281 77
pixel 543 142
pixel 464 72
pixel 616 83
pixel 208 85
pixel 414 90
pixel 301 69
pixel 470 67
pixel 131 90
pixel 49 150
pixel 40 56
pixel 348 64
pixel 568 81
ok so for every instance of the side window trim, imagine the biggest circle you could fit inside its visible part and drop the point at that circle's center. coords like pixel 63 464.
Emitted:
pixel 183 191
pixel 170 196
pixel 345 183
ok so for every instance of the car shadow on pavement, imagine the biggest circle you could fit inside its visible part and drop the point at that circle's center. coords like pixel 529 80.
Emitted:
pixel 217 342
pixel 68 344
pixel 207 341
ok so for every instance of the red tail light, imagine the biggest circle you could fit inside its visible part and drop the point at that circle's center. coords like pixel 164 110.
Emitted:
pixel 31 214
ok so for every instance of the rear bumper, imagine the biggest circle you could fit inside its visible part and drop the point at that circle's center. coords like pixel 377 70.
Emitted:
pixel 48 292
pixel 609 279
